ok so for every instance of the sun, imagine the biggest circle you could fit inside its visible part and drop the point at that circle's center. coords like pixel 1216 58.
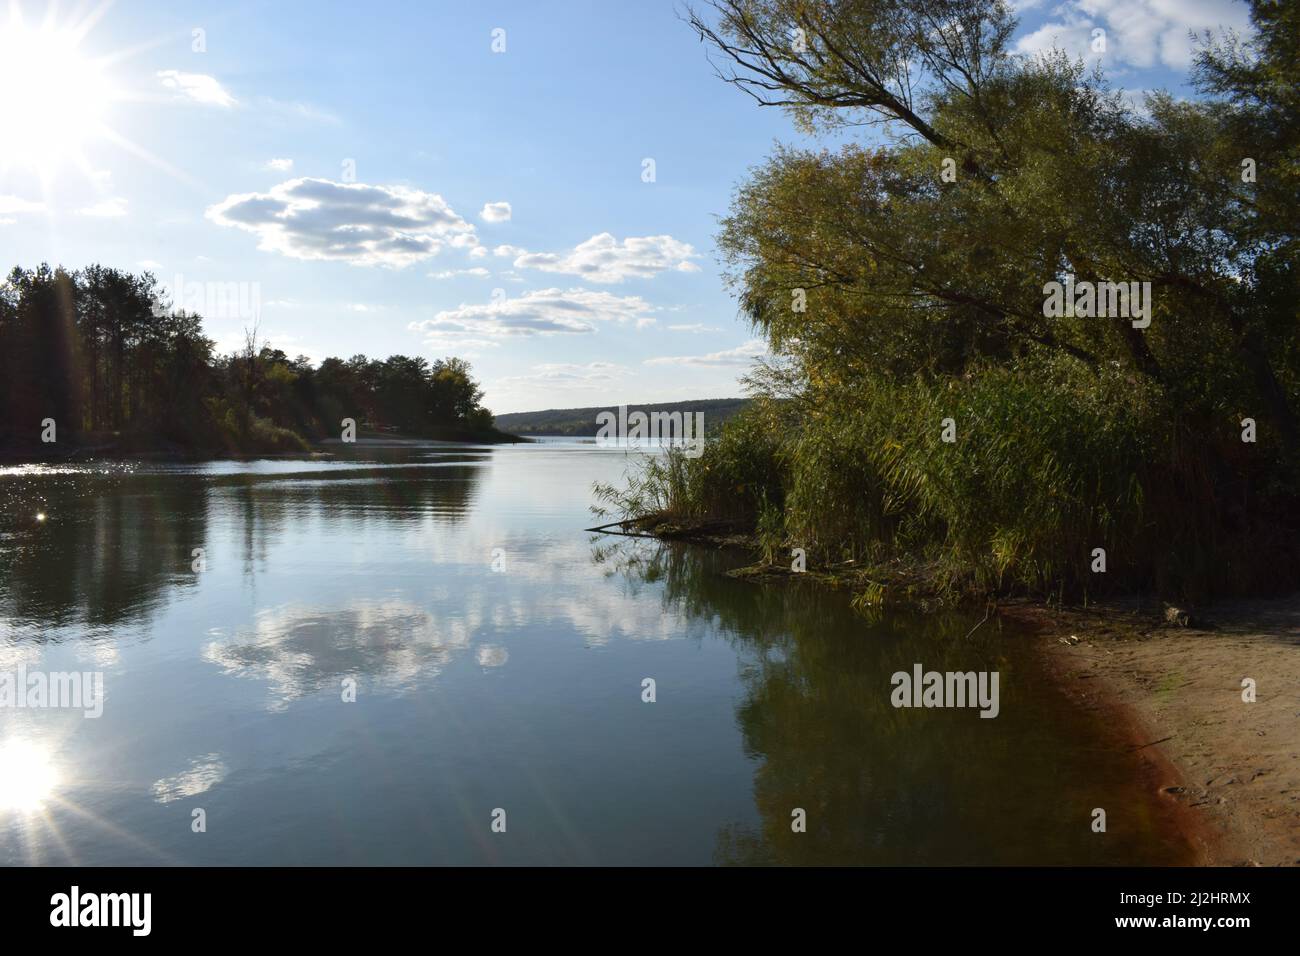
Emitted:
pixel 56 98
pixel 27 776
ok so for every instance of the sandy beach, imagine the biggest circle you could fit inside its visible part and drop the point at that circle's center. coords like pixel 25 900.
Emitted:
pixel 1229 768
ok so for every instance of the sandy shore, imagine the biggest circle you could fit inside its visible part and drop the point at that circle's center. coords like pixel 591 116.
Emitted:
pixel 1229 769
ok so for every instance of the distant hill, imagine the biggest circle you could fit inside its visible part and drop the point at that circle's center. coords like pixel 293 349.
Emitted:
pixel 582 421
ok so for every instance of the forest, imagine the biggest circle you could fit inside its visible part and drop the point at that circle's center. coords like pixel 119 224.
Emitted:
pixel 926 416
pixel 102 354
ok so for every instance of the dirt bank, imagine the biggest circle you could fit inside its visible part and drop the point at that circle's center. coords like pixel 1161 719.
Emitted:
pixel 1229 767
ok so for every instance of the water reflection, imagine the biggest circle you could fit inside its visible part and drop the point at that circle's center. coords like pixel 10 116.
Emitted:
pixel 117 541
pixel 490 655
pixel 105 555
pixel 202 774
pixel 891 786
pixel 28 777
pixel 482 683
pixel 299 651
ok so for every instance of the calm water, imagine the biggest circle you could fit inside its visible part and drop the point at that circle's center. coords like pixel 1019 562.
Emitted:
pixel 488 679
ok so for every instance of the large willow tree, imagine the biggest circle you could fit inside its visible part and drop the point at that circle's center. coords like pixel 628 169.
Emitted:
pixel 960 178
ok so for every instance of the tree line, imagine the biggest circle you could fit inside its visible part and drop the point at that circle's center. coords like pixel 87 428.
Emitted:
pixel 101 353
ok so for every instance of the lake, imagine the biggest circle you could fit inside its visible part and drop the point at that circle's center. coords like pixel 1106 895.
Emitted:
pixel 382 655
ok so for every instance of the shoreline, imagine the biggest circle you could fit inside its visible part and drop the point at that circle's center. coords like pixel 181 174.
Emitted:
pixel 1170 689
pixel 1228 769
pixel 74 451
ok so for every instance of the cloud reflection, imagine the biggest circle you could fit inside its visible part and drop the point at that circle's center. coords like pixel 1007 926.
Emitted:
pixel 492 655
pixel 300 651
pixel 203 773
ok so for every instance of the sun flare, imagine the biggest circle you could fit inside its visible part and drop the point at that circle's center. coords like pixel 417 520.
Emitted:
pixel 57 97
pixel 27 776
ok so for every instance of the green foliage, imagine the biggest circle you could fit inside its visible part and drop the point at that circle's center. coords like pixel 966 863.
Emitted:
pixel 1048 463
pixel 235 431
pixel 656 486
pixel 744 475
pixel 901 283
pixel 100 352
pixel 770 531
pixel 735 483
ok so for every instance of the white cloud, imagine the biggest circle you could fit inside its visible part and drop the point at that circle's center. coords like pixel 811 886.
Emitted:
pixel 478 272
pixel 568 376
pixel 462 346
pixel 740 355
pixel 1140 33
pixel 495 212
pixel 1136 99
pixel 198 87
pixel 506 250
pixel 349 222
pixel 696 328
pixel 604 259
pixel 541 312
pixel 279 165
pixel 113 208
pixel 9 205
pixel 562 383
pixel 150 265
pixel 1073 37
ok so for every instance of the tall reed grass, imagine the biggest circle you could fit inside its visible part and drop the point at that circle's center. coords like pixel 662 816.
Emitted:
pixel 1050 461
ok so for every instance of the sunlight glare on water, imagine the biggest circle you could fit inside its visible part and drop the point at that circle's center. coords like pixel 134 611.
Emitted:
pixel 357 659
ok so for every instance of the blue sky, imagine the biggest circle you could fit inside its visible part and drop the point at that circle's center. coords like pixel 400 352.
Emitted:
pixel 374 178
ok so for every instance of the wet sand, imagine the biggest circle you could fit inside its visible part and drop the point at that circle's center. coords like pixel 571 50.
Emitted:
pixel 1230 769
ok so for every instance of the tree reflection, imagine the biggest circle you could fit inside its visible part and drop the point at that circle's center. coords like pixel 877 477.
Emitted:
pixel 117 541
pixel 887 786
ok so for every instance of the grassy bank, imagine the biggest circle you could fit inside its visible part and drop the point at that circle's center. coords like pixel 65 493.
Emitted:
pixel 1056 483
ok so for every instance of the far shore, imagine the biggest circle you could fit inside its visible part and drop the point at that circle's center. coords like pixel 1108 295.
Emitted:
pixel 84 448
